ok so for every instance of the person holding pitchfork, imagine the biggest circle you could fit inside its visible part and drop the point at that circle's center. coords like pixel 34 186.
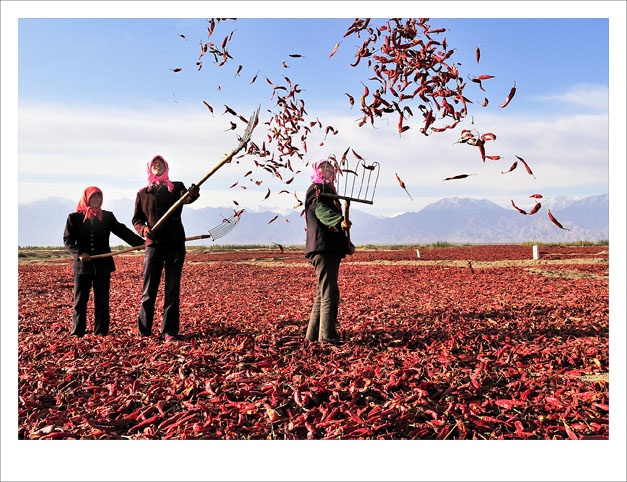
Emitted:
pixel 165 247
pixel 87 234
pixel 325 246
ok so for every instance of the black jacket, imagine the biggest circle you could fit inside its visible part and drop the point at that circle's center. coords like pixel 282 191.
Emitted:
pixel 152 203
pixel 92 237
pixel 321 238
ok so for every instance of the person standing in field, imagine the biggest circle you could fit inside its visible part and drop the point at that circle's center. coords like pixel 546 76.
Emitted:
pixel 165 248
pixel 325 247
pixel 86 234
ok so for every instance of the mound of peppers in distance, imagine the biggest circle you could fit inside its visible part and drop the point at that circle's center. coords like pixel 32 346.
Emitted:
pixel 430 352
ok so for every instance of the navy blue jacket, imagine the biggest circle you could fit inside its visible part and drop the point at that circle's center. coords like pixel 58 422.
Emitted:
pixel 320 238
pixel 92 237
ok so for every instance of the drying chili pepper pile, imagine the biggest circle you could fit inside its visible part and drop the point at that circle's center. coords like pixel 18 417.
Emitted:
pixel 432 352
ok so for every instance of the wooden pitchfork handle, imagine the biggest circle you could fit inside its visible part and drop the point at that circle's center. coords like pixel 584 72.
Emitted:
pixel 347 205
pixel 251 124
pixel 135 248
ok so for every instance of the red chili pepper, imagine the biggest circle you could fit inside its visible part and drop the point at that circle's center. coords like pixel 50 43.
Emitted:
pixel 512 167
pixel 537 196
pixel 509 97
pixel 145 423
pixel 526 166
pixel 477 54
pixel 518 209
pixel 556 222
pixel 459 176
pixel 403 186
pixel 535 208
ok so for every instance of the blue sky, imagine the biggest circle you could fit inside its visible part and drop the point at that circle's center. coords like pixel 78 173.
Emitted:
pixel 89 101
pixel 98 98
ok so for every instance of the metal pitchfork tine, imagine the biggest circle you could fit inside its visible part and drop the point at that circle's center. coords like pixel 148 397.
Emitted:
pixel 252 123
pixel 364 193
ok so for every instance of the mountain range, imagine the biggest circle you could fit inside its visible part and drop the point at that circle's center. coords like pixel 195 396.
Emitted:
pixel 454 220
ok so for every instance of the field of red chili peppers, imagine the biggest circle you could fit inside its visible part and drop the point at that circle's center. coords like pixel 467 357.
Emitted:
pixel 475 342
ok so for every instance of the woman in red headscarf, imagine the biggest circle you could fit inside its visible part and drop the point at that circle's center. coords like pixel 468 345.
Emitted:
pixel 165 248
pixel 87 233
pixel 325 247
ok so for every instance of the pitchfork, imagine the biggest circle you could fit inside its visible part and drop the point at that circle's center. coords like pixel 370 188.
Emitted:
pixel 242 142
pixel 357 186
pixel 217 232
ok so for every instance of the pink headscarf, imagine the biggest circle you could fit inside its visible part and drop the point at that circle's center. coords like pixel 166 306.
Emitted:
pixel 163 178
pixel 316 176
pixel 84 207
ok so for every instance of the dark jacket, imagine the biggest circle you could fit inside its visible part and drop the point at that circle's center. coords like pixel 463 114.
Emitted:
pixel 152 203
pixel 320 237
pixel 92 237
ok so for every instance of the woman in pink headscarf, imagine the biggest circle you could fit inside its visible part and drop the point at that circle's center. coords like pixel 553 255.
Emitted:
pixel 86 234
pixel 165 248
pixel 325 247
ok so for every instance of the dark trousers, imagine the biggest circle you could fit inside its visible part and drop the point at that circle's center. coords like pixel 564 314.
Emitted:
pixel 82 286
pixel 168 257
pixel 323 318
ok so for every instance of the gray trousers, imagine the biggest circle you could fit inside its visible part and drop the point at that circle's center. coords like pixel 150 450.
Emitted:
pixel 323 319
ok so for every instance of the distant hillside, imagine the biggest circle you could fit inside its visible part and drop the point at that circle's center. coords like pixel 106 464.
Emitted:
pixel 456 220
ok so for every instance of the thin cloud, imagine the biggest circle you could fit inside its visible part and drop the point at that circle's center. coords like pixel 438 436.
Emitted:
pixel 64 146
pixel 590 97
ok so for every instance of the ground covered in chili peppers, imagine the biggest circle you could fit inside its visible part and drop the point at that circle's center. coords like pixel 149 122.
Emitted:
pixel 432 351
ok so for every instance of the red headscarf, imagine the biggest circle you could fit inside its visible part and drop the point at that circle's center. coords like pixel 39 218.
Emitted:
pixel 163 178
pixel 83 204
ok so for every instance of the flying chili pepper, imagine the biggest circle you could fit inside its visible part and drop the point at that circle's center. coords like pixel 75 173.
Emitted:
pixel 477 54
pixel 343 160
pixel 234 184
pixel 255 77
pixel 239 69
pixel 512 167
pixel 273 219
pixel 350 99
pixel 280 247
pixel 208 107
pixel 183 36
pixel 402 185
pixel 536 208
pixel 459 176
pixel 536 196
pixel 230 111
pixel 526 166
pixel 233 127
pixel 296 55
pixel 556 222
pixel 178 69
pixel 285 66
pixel 518 209
pixel 488 136
pixel 267 194
pixel 335 49
pixel 358 156
pixel 485 102
pixel 509 97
